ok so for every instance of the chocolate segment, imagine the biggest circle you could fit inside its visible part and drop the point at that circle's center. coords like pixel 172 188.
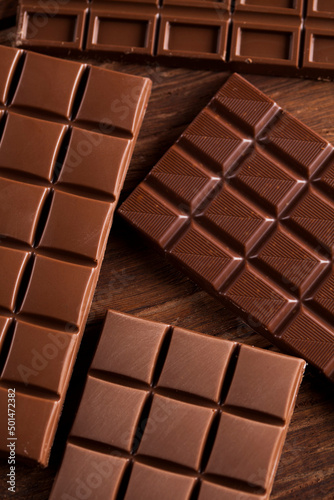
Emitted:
pixel 319 39
pixel 85 147
pixel 40 357
pixel 33 159
pixel 149 482
pixel 93 472
pixel 62 24
pixel 30 408
pixel 63 296
pixel 54 96
pixel 284 37
pixel 9 62
pixel 204 418
pixel 28 200
pixel 119 354
pixel 196 29
pixel 118 400
pixel 241 462
pixel 123 26
pixel 64 154
pixel 218 492
pixel 77 217
pixel 181 369
pixel 243 204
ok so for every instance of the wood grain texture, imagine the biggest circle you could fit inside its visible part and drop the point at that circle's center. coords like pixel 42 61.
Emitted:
pixel 135 279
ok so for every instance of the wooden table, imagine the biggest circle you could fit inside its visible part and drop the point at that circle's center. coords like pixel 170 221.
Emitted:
pixel 134 279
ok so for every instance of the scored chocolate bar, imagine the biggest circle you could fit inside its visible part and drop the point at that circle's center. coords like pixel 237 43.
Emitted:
pixel 8 8
pixel 171 414
pixel 243 203
pixel 64 153
pixel 270 36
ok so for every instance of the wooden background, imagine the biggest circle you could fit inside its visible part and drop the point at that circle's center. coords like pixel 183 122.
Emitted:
pixel 134 279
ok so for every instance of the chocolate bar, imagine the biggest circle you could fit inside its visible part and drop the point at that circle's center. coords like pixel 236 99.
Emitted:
pixel 242 203
pixel 173 414
pixel 267 33
pixel 64 152
pixel 280 37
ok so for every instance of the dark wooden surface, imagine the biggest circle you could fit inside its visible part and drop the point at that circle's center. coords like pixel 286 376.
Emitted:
pixel 134 279
pixel 7 8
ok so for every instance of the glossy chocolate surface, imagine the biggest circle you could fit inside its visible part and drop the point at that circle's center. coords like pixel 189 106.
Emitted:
pixel 204 418
pixel 62 166
pixel 283 37
pixel 243 204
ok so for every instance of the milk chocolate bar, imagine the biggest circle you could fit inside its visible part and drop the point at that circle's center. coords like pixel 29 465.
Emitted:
pixel 243 204
pixel 173 414
pixel 64 153
pixel 283 37
pixel 267 33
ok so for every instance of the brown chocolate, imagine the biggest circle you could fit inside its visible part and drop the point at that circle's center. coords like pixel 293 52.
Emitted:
pixel 64 154
pixel 62 24
pixel 283 37
pixel 8 8
pixel 124 26
pixel 267 34
pixel 204 418
pixel 243 204
pixel 194 29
